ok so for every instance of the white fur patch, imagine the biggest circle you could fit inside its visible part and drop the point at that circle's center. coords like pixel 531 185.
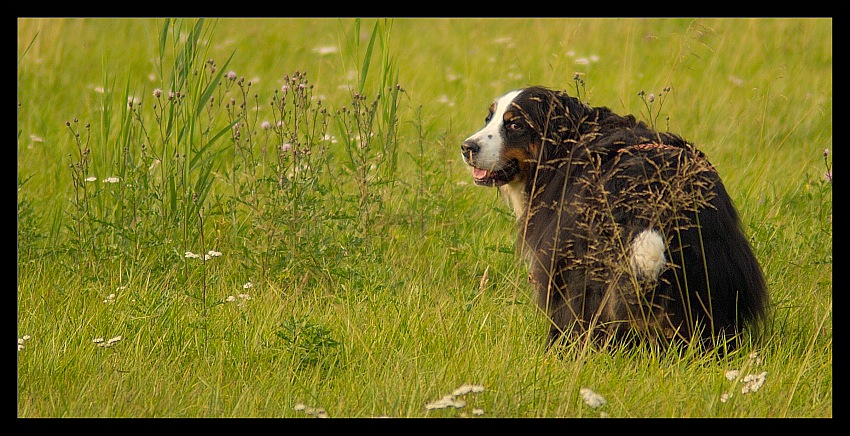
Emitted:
pixel 514 194
pixel 648 259
pixel 490 137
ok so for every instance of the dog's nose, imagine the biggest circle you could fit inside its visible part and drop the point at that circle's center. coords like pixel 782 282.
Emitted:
pixel 469 147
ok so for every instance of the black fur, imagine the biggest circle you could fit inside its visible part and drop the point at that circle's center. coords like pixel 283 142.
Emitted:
pixel 594 180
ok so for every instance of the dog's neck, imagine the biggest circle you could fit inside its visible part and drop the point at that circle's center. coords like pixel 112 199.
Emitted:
pixel 514 194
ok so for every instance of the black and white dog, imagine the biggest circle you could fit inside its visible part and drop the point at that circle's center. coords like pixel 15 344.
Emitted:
pixel 629 232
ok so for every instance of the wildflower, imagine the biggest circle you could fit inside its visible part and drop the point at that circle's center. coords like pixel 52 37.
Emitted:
pixel 445 402
pixel 651 97
pixel 737 81
pixel 157 93
pixel 285 147
pixel 266 125
pixel 21 342
pixel 111 180
pixel 191 255
pixel 582 61
pixel 732 374
pixel 214 253
pixel 755 358
pixel 725 397
pixel 231 75
pixel 230 299
pixel 248 285
pixel 828 174
pixel 108 343
pixel 465 389
pixel 300 406
pixel 36 138
pixel 591 398
pixel 109 299
pixel 753 382
pixel 477 411
pixel 326 50
pixel 91 179
pixel 452 400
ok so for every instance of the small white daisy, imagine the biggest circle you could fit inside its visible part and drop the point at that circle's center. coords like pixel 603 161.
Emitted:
pixel 591 398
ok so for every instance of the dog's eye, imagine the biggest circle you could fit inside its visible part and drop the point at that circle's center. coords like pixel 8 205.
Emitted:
pixel 488 118
pixel 514 126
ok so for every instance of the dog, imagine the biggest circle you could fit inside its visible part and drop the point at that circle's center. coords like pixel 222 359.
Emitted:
pixel 629 232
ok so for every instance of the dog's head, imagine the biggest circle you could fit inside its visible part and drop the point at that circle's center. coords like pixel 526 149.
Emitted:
pixel 506 150
pixel 498 152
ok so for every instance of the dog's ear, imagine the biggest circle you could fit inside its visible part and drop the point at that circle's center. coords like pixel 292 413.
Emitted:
pixel 560 114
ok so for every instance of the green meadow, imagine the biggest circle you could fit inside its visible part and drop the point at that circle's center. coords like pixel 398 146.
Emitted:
pixel 271 218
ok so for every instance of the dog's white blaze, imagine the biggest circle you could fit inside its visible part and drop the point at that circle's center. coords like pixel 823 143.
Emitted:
pixel 490 137
pixel 648 259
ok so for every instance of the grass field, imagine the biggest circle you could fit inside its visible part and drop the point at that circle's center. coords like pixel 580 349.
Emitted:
pixel 270 217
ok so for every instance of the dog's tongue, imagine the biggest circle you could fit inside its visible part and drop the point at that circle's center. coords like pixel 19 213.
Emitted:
pixel 478 173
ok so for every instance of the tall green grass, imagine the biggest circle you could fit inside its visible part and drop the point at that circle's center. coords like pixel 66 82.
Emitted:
pixel 269 218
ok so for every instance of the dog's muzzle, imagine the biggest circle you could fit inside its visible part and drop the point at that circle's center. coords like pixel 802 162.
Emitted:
pixel 504 173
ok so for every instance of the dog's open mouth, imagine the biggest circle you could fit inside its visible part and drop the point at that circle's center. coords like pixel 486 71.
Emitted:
pixel 496 177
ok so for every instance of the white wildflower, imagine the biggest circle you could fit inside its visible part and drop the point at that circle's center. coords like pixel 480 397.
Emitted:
pixel 91 179
pixel 191 255
pixel 591 398
pixel 325 50
pixel 445 402
pixel 248 285
pixel 107 343
pixel 111 180
pixel 452 400
pixel 465 389
pixel 753 382
pixel 21 341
